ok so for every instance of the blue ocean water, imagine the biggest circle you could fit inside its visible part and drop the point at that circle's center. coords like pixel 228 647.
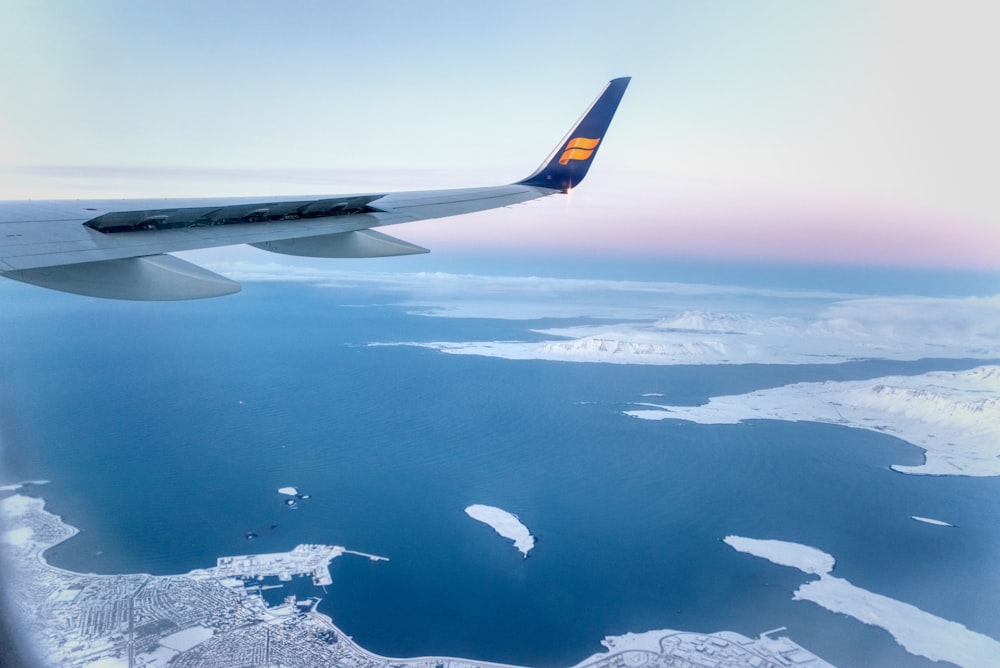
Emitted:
pixel 166 429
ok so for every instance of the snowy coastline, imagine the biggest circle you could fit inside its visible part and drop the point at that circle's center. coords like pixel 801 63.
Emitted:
pixel 953 416
pixel 505 524
pixel 918 632
pixel 896 328
pixel 218 612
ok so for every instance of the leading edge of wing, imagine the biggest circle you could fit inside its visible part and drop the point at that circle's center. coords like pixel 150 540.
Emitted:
pixel 99 238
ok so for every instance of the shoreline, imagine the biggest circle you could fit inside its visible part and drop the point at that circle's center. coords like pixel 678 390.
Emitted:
pixel 221 613
pixel 953 417
pixel 918 632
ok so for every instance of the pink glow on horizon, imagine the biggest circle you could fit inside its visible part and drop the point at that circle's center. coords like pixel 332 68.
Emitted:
pixel 620 215
pixel 736 229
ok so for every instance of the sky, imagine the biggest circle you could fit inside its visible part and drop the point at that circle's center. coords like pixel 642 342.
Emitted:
pixel 829 133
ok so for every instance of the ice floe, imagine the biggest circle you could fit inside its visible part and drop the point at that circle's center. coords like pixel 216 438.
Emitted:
pixel 917 631
pixel 18 485
pixel 928 520
pixel 505 524
pixel 953 416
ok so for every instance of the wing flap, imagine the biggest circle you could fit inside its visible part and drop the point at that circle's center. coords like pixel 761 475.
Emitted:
pixel 233 214
pixel 147 278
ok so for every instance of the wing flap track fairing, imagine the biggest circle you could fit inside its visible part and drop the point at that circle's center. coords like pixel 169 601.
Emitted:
pixel 360 243
pixel 149 278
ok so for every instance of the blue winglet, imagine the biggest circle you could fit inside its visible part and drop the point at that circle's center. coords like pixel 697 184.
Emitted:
pixel 569 162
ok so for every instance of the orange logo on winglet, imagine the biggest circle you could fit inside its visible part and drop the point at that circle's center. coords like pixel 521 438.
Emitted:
pixel 578 148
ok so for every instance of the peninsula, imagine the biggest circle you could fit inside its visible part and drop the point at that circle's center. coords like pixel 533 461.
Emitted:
pixel 954 416
pixel 917 631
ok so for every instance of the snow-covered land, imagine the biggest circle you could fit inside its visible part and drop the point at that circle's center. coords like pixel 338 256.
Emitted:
pixel 20 537
pixel 953 416
pixel 806 559
pixel 919 632
pixel 505 524
pixel 647 322
pixel 668 647
pixel 16 506
pixel 902 328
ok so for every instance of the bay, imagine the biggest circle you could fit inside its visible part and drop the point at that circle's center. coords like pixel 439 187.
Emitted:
pixel 166 430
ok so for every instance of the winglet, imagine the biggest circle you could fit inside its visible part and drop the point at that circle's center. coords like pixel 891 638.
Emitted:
pixel 569 162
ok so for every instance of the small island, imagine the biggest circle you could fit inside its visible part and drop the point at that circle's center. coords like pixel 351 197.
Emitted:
pixel 929 520
pixel 505 524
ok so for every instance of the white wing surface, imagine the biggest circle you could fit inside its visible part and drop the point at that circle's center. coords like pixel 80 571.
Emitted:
pixel 119 248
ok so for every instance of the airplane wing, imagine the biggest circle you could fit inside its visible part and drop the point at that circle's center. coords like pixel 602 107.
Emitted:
pixel 120 249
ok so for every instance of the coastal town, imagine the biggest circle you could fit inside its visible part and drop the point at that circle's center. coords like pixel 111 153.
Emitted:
pixel 217 617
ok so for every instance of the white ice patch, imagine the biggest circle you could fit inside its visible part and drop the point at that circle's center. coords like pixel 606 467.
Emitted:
pixel 928 520
pixel 18 485
pixel 505 524
pixel 17 505
pixel 289 491
pixel 182 641
pixel 953 416
pixel 18 537
pixel 918 632
pixel 806 559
